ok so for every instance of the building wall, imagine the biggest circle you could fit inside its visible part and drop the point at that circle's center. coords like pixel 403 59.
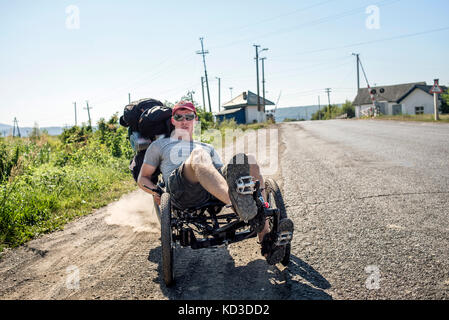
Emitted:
pixel 238 116
pixel 418 98
pixel 363 108
pixel 252 114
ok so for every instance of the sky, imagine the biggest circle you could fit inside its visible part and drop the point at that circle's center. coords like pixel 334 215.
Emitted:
pixel 55 53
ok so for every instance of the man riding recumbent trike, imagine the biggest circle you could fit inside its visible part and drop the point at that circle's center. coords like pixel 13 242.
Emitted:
pixel 201 203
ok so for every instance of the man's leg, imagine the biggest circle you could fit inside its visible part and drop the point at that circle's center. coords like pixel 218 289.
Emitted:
pixel 199 168
pixel 254 170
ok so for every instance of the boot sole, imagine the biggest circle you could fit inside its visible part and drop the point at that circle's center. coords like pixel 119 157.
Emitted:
pixel 244 205
pixel 278 253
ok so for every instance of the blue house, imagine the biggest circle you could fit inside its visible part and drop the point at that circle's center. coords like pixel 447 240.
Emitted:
pixel 243 109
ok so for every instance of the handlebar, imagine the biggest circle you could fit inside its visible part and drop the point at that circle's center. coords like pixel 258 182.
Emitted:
pixel 158 190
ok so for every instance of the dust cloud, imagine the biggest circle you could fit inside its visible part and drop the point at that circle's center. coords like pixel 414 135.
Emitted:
pixel 135 210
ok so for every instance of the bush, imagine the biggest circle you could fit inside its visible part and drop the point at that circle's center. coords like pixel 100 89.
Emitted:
pixel 444 108
pixel 45 181
pixel 334 111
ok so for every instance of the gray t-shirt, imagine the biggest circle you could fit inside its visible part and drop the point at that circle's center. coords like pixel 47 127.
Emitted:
pixel 169 154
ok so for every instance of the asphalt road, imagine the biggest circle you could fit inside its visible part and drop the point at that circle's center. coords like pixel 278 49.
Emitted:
pixel 369 200
pixel 370 204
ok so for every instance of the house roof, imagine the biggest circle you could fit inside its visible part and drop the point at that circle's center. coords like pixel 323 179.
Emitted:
pixel 251 100
pixel 394 93
pixel 228 111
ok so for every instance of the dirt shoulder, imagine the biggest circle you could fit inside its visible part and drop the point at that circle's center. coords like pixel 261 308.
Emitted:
pixel 115 254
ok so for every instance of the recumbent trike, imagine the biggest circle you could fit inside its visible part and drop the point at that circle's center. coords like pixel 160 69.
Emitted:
pixel 207 226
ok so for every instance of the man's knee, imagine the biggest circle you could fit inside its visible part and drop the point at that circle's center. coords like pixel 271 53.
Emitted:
pixel 199 158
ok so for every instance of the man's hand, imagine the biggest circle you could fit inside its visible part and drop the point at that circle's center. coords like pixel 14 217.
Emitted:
pixel 156 195
pixel 157 199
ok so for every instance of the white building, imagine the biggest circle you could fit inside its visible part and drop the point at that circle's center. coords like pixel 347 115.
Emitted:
pixel 410 98
pixel 244 109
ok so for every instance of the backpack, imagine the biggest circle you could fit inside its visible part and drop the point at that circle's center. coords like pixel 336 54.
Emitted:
pixel 155 121
pixel 133 111
pixel 138 143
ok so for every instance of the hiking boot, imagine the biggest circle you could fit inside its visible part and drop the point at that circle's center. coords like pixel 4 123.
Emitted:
pixel 274 246
pixel 241 187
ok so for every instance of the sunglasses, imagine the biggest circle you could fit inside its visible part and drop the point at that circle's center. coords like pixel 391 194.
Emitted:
pixel 180 117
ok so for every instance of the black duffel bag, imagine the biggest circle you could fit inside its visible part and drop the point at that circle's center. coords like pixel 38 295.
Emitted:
pixel 155 121
pixel 133 111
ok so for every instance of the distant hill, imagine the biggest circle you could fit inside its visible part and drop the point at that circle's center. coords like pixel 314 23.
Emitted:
pixel 7 130
pixel 297 113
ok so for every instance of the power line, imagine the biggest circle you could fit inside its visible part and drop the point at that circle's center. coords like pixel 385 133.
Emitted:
pixel 308 24
pixel 375 41
pixel 275 17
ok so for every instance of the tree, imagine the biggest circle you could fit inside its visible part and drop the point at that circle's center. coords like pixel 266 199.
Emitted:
pixel 36 132
pixel 349 109
pixel 327 112
pixel 444 108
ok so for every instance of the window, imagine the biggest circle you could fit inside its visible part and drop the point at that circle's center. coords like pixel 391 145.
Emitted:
pixel 419 110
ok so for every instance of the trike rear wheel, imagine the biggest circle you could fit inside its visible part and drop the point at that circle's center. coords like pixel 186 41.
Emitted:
pixel 166 240
pixel 275 200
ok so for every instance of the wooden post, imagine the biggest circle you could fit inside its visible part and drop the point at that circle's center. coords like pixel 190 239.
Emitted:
pixel 435 103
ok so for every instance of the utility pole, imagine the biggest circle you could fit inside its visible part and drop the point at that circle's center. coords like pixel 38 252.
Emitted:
pixel 191 93
pixel 76 123
pixel 257 73
pixel 230 89
pixel 202 90
pixel 203 53
pixel 88 112
pixel 328 90
pixel 16 124
pixel 319 108
pixel 263 81
pixel 373 97
pixel 129 98
pixel 357 55
pixel 219 94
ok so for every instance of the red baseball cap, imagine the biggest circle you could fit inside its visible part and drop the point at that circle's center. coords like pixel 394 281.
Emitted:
pixel 183 105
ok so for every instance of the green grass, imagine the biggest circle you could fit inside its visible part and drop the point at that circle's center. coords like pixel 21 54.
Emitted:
pixel 47 181
pixel 405 117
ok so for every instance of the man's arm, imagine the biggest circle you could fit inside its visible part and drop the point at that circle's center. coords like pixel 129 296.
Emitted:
pixel 149 166
pixel 144 179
